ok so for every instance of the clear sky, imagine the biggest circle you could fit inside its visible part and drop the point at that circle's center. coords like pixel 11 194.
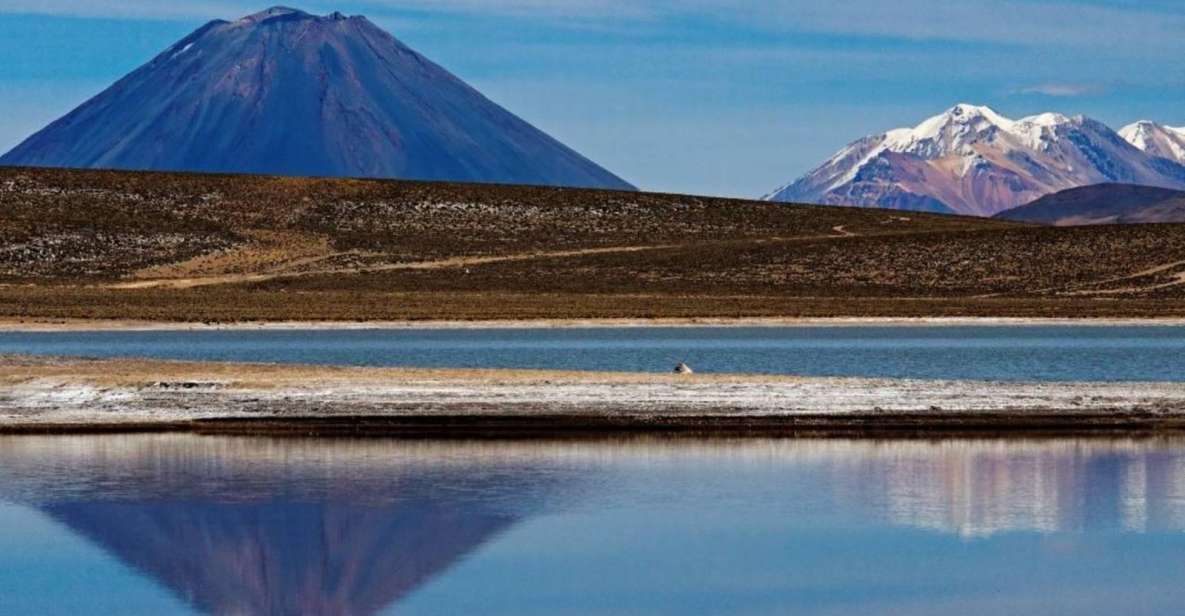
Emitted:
pixel 726 97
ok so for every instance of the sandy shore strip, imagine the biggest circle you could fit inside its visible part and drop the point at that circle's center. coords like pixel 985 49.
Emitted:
pixel 68 325
pixel 63 395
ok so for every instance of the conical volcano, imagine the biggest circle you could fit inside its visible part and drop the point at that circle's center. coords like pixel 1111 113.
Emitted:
pixel 288 93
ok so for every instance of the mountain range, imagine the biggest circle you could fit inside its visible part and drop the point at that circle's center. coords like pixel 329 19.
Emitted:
pixel 288 93
pixel 284 92
pixel 971 160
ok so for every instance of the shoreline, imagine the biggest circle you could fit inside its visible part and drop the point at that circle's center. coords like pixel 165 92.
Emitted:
pixel 57 395
pixel 891 426
pixel 82 325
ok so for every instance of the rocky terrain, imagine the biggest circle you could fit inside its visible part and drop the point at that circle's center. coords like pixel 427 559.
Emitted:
pixel 182 247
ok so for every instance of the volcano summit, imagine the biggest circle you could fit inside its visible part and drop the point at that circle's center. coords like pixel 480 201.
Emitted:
pixel 288 93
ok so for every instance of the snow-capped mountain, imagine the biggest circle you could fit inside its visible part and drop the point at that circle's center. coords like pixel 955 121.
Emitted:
pixel 1156 139
pixel 289 93
pixel 972 160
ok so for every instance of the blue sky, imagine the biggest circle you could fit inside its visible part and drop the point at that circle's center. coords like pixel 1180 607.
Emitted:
pixel 725 97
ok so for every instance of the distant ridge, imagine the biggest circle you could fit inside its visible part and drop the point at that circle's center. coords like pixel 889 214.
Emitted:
pixel 1103 204
pixel 972 160
pixel 287 93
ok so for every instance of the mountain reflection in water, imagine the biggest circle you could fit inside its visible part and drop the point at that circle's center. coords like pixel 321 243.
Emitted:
pixel 283 558
pixel 269 527
pixel 261 526
pixel 980 489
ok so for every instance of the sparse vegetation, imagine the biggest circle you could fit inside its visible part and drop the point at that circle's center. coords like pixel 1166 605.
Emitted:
pixel 179 247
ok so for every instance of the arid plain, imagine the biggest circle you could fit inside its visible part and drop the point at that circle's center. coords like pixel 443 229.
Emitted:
pixel 175 248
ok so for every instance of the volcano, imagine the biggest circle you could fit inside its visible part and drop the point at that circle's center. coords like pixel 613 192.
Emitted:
pixel 283 92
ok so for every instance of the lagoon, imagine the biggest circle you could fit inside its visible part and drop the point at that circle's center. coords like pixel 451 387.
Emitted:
pixel 1003 352
pixel 153 524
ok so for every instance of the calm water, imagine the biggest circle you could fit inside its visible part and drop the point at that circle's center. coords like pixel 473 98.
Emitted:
pixel 1055 353
pixel 185 524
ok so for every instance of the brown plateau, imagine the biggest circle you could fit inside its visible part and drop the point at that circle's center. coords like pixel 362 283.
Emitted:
pixel 202 248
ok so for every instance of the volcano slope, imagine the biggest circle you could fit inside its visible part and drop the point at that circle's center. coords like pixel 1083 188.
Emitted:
pixel 203 248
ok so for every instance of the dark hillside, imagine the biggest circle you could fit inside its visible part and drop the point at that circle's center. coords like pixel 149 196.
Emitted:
pixel 1103 204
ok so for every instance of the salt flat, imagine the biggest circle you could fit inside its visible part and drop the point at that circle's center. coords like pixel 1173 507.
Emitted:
pixel 75 394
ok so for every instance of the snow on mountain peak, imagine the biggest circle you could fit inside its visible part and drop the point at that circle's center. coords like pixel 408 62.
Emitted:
pixel 1045 119
pixel 961 127
pixel 1156 139
pixel 962 114
pixel 954 131
pixel 972 160
pixel 974 112
pixel 1147 127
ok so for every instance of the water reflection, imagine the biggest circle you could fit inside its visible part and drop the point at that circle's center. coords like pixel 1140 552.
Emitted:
pixel 981 489
pixel 352 527
pixel 283 558
pixel 268 527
